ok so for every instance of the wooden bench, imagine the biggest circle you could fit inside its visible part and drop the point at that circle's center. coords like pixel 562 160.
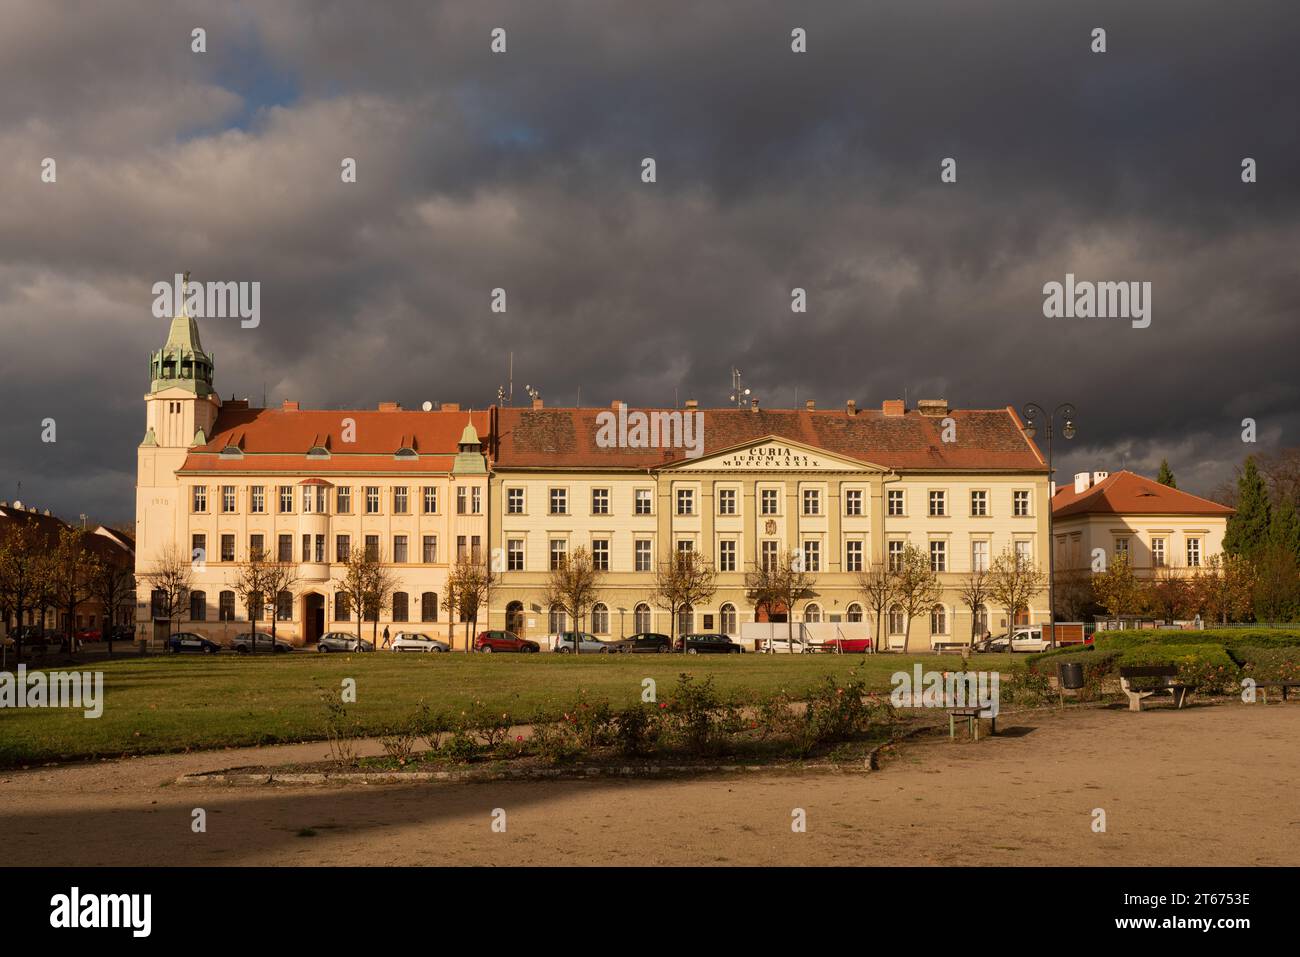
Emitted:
pixel 949 647
pixel 1263 686
pixel 972 717
pixel 1166 674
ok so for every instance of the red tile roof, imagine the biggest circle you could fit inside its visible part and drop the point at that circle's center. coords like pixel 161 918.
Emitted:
pixel 986 439
pixel 277 440
pixel 1125 493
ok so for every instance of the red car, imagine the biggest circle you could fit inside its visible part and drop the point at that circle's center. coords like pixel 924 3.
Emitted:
pixel 848 646
pixel 494 641
pixel 88 634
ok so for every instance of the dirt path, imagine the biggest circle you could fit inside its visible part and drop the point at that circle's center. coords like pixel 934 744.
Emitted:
pixel 1207 785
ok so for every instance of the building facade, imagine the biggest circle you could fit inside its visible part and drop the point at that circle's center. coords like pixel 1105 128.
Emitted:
pixel 846 488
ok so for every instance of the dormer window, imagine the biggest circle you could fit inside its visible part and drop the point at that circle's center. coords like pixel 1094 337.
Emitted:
pixel 406 453
pixel 318 452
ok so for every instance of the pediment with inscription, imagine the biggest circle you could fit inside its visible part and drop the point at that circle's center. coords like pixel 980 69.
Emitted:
pixel 774 454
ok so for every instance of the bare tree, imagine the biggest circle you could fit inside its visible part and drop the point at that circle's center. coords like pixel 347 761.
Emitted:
pixel 113 586
pixel 918 588
pixel 277 577
pixel 782 581
pixel 974 592
pixel 468 587
pixel 1014 580
pixel 170 580
pixel 571 586
pixel 879 587
pixel 250 586
pixel 683 580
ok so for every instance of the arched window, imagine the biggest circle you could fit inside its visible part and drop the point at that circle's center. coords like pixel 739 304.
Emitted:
pixel 855 612
pixel 812 613
pixel 938 620
pixel 342 606
pixel 255 606
pixel 558 620
pixel 429 606
pixel 284 606
pixel 727 619
pixel 400 607
pixel 981 619
pixel 1022 616
pixel 685 620
pixel 226 606
pixel 600 618
pixel 641 618
pixel 896 623
pixel 515 617
pixel 198 606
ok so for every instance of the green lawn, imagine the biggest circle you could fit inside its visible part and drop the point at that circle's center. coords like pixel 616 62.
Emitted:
pixel 162 703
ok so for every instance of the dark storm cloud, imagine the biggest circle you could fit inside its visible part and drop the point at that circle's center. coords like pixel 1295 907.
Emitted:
pixel 775 170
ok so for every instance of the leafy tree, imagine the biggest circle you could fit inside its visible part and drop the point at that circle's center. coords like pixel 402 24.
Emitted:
pixel 571 586
pixel 1248 528
pixel 24 572
pixel 1014 580
pixel 918 587
pixel 1284 529
pixel 1166 475
pixel 782 581
pixel 1223 589
pixel 1277 584
pixel 1118 589
pixel 467 592
pixel 975 593
pixel 683 580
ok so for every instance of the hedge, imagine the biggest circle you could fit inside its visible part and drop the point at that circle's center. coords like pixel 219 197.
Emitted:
pixel 1203 667
pixel 1267 664
pixel 1225 637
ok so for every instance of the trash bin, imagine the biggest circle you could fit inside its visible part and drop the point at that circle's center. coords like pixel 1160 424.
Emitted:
pixel 1070 674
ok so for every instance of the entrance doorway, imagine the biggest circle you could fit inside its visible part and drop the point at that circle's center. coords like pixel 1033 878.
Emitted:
pixel 313 617
pixel 515 618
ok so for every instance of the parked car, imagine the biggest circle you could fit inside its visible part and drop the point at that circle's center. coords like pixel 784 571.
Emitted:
pixel 493 641
pixel 706 644
pixel 190 641
pixel 342 641
pixel 588 644
pixel 259 642
pixel 1022 640
pixel 415 641
pixel 785 644
pixel 122 633
pixel 848 646
pixel 88 634
pixel 646 642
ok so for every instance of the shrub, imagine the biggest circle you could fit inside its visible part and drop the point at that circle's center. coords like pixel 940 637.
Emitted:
pixel 398 742
pixel 1204 668
pixel 490 726
pixel 837 710
pixel 1025 687
pixel 593 722
pixel 430 725
pixel 553 741
pixel 636 730
pixel 698 720
pixel 1267 664
pixel 1226 637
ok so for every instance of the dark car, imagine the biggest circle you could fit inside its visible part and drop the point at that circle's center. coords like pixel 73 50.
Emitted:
pixel 259 642
pixel 646 642
pixel 708 644
pixel 493 641
pixel 189 641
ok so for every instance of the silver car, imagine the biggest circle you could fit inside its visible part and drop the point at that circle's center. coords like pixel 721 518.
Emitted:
pixel 342 641
pixel 588 644
pixel 415 641
pixel 259 642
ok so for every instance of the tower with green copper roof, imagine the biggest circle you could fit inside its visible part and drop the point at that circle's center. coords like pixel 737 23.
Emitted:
pixel 469 454
pixel 181 362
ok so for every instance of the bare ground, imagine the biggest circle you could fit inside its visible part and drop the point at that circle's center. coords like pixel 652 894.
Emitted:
pixel 1212 784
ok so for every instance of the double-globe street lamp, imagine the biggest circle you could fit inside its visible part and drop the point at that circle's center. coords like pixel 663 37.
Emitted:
pixel 1034 411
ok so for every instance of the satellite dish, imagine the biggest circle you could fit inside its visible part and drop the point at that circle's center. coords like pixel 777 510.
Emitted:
pixel 428 406
pixel 18 506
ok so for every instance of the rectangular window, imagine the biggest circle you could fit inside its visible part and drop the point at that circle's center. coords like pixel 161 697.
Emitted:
pixel 600 554
pixel 308 500
pixel 227 548
pixel 938 556
pixel 767 555
pixel 812 555
pixel 685 546
pixel 475 500
pixel 1020 501
pixel 726 501
pixel 1193 553
pixel 1024 550
pixel 686 501
pixel 320 548
pixel 897 502
pixel 256 546
pixel 727 555
pixel 286 498
pixel 515 555
pixel 768 502
pixel 429 549
pixel 342 548
pixel 559 501
pixel 227 498
pixel 401 501
pixel 514 501
pixel 644 501
pixel 812 501
pixel 198 548
pixel 853 555
pixel 938 503
pixel 462 548
pixel 343 500
pixel 476 549
pixel 600 501
pixel 306 548
pixel 979 556
pixel 372 547
pixel 1157 552
pixel 284 549
pixel 979 503
pixel 462 499
pixel 430 499
pixel 853 501
pixel 257 499
pixel 372 499
pixel 199 499
pixel 399 549
pixel 559 552
pixel 1121 547
pixel 643 555
pixel 895 555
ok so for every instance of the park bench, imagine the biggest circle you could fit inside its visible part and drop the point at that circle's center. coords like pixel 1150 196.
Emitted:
pixel 1165 674
pixel 949 647
pixel 1263 686
pixel 972 718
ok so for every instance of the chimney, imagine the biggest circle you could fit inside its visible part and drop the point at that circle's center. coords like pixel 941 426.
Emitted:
pixel 851 407
pixel 448 407
pixel 892 407
pixel 1099 477
pixel 391 407
pixel 811 405
pixel 692 404
pixel 290 406
pixel 934 407
pixel 537 404
pixel 615 404
pixel 1081 482
pixel 753 404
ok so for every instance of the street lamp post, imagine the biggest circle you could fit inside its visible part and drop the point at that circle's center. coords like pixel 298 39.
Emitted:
pixel 1033 410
